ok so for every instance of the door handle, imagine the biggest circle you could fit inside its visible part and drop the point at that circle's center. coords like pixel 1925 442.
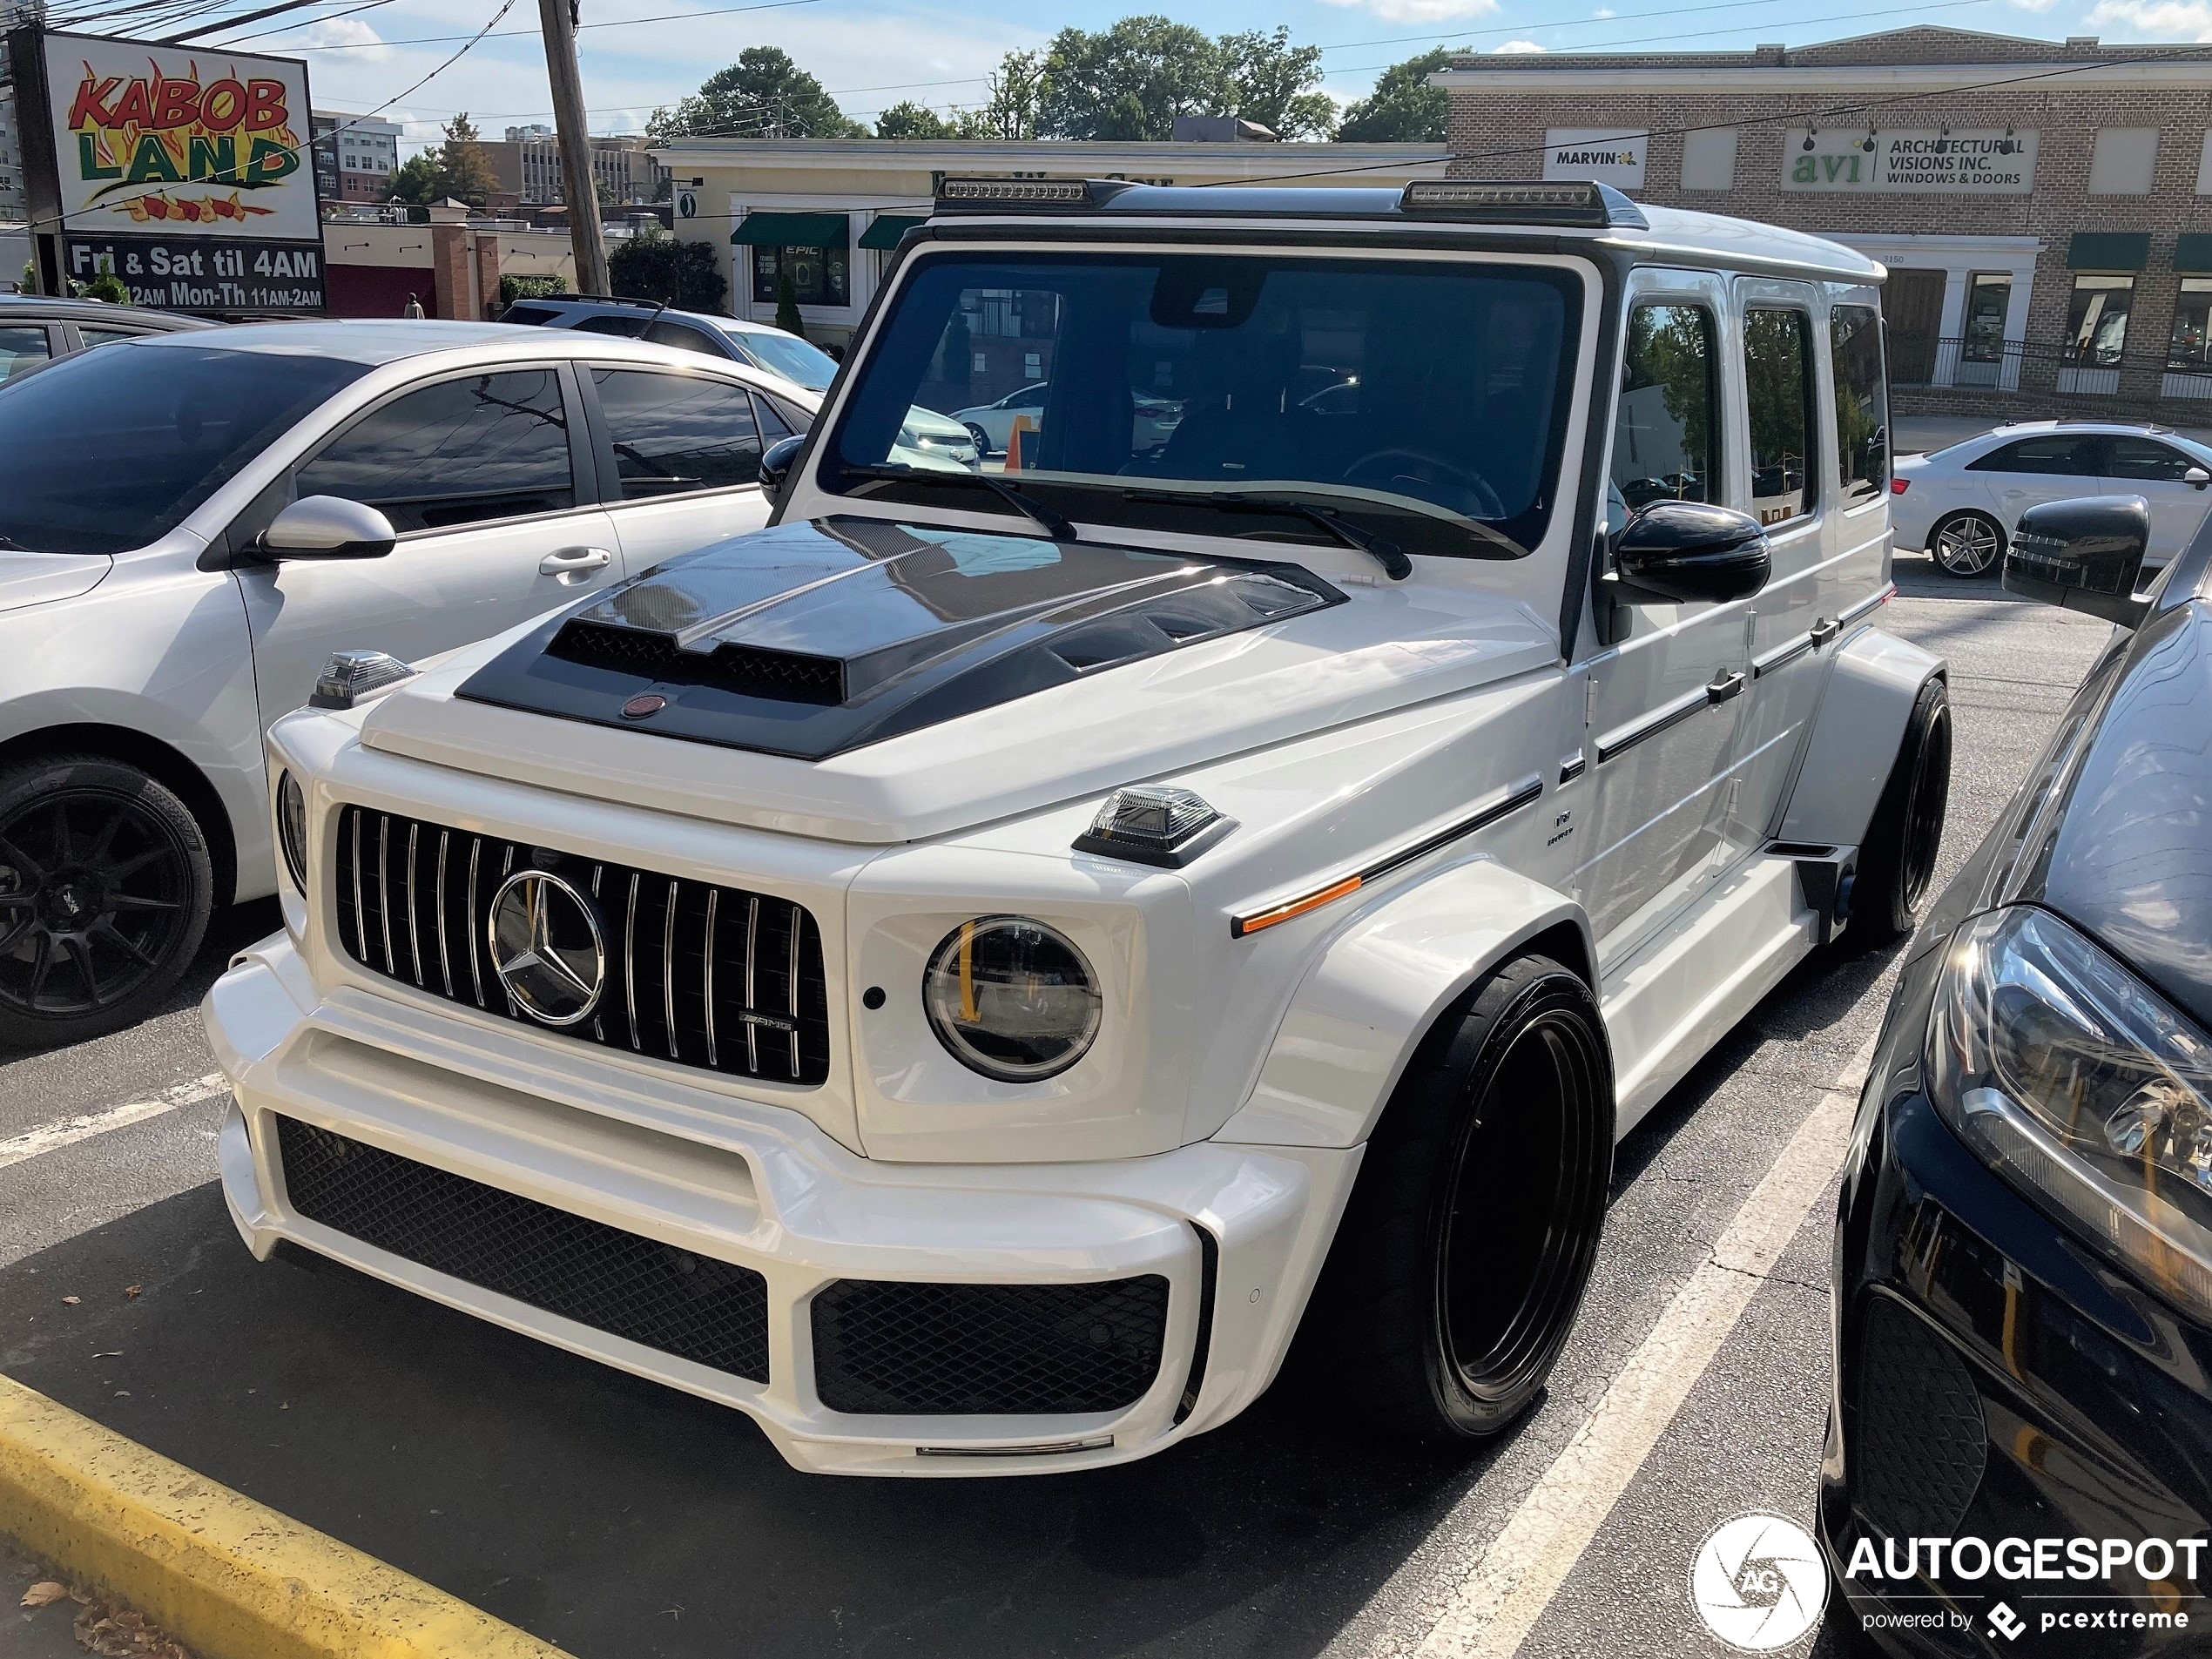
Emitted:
pixel 572 564
pixel 1724 686
pixel 1825 629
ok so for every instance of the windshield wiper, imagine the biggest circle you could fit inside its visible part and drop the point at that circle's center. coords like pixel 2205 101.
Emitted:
pixel 1384 552
pixel 1055 524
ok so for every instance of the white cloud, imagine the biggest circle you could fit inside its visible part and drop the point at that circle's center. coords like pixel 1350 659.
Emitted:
pixel 1516 48
pixel 362 42
pixel 1422 11
pixel 1605 11
pixel 2159 19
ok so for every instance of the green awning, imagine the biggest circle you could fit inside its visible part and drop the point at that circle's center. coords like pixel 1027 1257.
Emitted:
pixel 2193 253
pixel 792 230
pixel 884 234
pixel 2108 250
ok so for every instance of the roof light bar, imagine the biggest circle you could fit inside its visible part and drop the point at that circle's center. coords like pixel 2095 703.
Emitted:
pixel 956 193
pixel 1579 202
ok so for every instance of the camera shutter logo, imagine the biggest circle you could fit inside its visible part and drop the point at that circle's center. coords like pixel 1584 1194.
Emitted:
pixel 1758 1583
pixel 547 948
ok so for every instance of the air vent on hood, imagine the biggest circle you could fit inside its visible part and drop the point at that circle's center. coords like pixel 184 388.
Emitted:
pixel 785 675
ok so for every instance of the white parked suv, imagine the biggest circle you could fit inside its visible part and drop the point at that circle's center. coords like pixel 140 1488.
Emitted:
pixel 191 523
pixel 970 974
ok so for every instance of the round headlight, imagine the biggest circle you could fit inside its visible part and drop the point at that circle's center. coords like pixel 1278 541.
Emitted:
pixel 292 829
pixel 1011 998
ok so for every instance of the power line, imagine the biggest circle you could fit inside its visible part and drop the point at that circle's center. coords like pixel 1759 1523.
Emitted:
pixel 524 34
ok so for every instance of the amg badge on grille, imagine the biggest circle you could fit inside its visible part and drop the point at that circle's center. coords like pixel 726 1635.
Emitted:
pixel 546 947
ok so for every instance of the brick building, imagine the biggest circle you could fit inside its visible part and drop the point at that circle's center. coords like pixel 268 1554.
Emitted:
pixel 2045 210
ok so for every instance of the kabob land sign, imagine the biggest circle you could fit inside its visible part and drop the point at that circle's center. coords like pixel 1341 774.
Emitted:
pixel 187 172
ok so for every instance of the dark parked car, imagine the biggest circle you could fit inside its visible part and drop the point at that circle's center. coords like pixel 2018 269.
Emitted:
pixel 34 330
pixel 2021 1431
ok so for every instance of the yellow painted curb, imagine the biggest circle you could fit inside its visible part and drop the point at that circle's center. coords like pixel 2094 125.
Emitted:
pixel 229 1577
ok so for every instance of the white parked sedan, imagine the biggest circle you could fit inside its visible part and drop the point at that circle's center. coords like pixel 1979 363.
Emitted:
pixel 1962 504
pixel 191 523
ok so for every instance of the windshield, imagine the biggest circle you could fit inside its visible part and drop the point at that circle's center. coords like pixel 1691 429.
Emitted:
pixel 809 366
pixel 111 449
pixel 1420 401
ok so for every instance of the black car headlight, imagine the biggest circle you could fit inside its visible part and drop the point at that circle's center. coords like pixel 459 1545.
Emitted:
pixel 1011 998
pixel 2085 1087
pixel 292 829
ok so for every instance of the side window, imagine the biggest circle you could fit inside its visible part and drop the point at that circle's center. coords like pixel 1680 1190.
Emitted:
pixel 2060 454
pixel 684 337
pixel 462 452
pixel 674 433
pixel 22 348
pixel 1778 390
pixel 773 428
pixel 2144 460
pixel 1664 425
pixel 92 337
pixel 1862 401
pixel 627 327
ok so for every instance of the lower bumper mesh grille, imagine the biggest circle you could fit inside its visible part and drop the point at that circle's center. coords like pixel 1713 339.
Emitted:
pixel 968 1350
pixel 711 1312
pixel 1922 1439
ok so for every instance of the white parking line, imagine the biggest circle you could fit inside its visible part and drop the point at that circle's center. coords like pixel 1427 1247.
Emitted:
pixel 1499 1602
pixel 52 1136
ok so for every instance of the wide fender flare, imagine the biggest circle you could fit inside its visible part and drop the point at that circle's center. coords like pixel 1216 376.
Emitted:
pixel 1872 685
pixel 1379 988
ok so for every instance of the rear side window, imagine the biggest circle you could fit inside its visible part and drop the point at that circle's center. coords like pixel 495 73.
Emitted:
pixel 2065 455
pixel 1862 401
pixel 1778 390
pixel 92 337
pixel 464 451
pixel 2144 460
pixel 684 337
pixel 625 327
pixel 675 434
pixel 22 348
pixel 521 311
pixel 1664 425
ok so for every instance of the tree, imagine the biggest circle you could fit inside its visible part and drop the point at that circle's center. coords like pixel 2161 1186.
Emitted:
pixel 1272 82
pixel 1129 81
pixel 464 172
pixel 763 95
pixel 1403 108
pixel 415 180
pixel 653 265
pixel 911 120
pixel 1015 101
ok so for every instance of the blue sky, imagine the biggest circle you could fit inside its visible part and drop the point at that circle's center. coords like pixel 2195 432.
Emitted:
pixel 872 53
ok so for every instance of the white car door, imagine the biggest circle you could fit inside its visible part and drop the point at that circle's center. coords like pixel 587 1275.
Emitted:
pixel 681 451
pixel 482 473
pixel 2159 473
pixel 2050 466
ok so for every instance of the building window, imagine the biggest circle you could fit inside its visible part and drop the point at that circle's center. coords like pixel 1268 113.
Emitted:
pixel 1709 160
pixel 1668 411
pixel 1778 385
pixel 1862 401
pixel 1032 366
pixel 2096 320
pixel 2124 161
pixel 1989 295
pixel 817 274
pixel 2191 346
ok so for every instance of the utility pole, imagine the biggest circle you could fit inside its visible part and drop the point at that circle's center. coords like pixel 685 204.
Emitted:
pixel 584 235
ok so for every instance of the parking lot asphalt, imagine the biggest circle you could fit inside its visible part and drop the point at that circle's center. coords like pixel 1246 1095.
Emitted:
pixel 618 1518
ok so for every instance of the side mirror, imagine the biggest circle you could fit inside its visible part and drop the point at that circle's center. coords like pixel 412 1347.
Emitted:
pixel 2083 554
pixel 1679 550
pixel 775 467
pixel 329 526
pixel 2196 477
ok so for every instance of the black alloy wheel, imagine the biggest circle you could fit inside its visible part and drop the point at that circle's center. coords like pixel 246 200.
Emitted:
pixel 1966 544
pixel 106 888
pixel 1464 1253
pixel 1897 862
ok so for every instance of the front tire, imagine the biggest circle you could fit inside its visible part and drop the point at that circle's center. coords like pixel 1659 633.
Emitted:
pixel 1966 545
pixel 1897 860
pixel 106 889
pixel 1463 1254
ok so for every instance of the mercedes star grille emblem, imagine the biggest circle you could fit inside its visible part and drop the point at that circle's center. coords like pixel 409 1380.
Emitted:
pixel 547 948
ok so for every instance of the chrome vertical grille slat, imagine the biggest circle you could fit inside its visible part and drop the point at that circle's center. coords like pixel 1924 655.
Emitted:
pixel 698 963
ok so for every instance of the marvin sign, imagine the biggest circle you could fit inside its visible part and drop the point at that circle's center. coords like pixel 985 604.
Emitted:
pixel 1934 162
pixel 1606 154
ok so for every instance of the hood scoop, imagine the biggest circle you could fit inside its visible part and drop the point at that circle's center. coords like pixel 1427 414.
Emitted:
pixel 810 640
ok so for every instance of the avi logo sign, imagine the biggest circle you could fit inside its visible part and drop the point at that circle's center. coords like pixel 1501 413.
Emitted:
pixel 1606 154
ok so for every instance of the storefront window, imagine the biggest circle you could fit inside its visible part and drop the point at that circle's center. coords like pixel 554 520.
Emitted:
pixel 817 274
pixel 1989 295
pixel 2191 346
pixel 2096 321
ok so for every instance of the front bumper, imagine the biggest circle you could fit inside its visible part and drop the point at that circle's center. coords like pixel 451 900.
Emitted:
pixel 1997 1379
pixel 1236 1233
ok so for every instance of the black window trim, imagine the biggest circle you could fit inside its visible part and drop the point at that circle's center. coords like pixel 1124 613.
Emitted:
pixel 583 471
pixel 1816 465
pixel 602 439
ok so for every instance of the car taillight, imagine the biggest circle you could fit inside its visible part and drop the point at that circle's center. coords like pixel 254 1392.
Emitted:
pixel 1898 485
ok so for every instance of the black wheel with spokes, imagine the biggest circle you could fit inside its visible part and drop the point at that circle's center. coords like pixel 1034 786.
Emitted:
pixel 1897 860
pixel 1462 1256
pixel 1966 544
pixel 106 887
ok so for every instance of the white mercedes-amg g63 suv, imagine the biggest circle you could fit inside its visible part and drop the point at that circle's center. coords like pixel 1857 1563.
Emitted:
pixel 971 973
